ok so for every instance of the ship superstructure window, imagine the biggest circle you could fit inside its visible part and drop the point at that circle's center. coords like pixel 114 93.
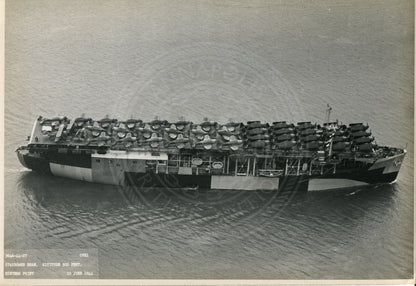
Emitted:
pixel 185 161
pixel 97 160
pixel 242 165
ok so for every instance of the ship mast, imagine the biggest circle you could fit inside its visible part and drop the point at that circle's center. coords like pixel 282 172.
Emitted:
pixel 328 113
pixel 328 118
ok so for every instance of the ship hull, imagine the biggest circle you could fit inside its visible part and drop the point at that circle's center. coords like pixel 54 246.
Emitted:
pixel 131 171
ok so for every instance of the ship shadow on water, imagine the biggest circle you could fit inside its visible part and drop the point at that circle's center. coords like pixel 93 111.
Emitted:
pixel 47 190
pixel 62 195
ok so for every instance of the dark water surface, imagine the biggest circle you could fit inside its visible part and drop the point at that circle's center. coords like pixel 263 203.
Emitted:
pixel 266 60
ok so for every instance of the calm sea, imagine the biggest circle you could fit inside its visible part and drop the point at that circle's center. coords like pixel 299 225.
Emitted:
pixel 241 60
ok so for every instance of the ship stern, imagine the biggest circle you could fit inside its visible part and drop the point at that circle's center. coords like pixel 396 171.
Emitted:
pixel 34 162
pixel 21 153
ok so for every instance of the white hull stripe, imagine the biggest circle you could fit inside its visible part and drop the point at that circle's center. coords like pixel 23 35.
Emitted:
pixel 244 183
pixel 327 184
pixel 114 154
pixel 77 173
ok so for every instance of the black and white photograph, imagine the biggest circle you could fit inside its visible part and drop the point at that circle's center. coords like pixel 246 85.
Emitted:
pixel 214 141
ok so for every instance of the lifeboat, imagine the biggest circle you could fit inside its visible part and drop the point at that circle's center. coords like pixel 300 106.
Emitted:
pixel 198 129
pixel 363 140
pixel 95 130
pixel 155 140
pixel 305 125
pixel 288 126
pixel 180 142
pixel 131 123
pixel 312 146
pixel 358 127
pixel 157 124
pixel 180 125
pixel 282 124
pixel 225 129
pixel 146 132
pixel 337 139
pixel 207 142
pixel 172 133
pixel 226 135
pixel 258 137
pixel 257 125
pixel 340 146
pixel 366 147
pixel 225 132
pixel 360 134
pixel 208 139
pixel 105 122
pixel 207 125
pixel 282 131
pixel 285 137
pixel 80 121
pixel 199 134
pixel 256 131
pixel 306 132
pixel 233 144
pixel 279 124
pixel 286 145
pixel 232 126
pixel 121 132
pixel 310 138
